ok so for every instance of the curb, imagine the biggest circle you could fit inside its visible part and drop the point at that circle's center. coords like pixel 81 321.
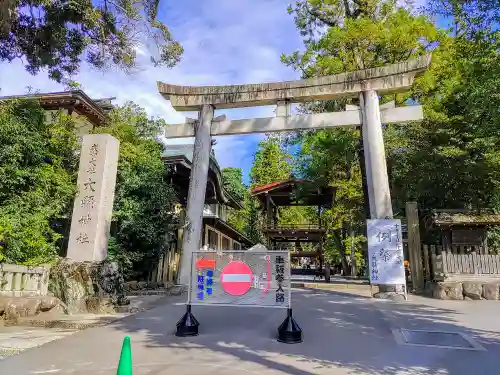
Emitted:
pixel 330 286
pixel 122 312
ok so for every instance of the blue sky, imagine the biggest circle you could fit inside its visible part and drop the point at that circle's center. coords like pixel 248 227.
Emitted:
pixel 225 42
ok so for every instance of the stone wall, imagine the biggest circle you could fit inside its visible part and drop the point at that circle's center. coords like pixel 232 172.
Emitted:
pixel 468 290
pixel 93 287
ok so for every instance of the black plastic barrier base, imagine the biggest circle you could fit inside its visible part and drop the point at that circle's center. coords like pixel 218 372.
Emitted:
pixel 187 325
pixel 289 331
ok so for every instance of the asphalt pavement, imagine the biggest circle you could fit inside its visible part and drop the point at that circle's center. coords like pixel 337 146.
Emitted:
pixel 343 333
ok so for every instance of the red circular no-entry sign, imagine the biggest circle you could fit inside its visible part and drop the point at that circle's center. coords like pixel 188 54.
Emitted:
pixel 236 278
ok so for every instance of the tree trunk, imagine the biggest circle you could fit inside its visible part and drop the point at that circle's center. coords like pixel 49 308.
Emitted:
pixel 353 253
pixel 340 235
pixel 327 272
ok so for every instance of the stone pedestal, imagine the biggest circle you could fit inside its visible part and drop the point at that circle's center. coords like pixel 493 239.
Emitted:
pixel 93 207
pixel 392 292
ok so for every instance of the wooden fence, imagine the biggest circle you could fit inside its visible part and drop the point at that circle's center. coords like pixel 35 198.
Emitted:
pixel 459 263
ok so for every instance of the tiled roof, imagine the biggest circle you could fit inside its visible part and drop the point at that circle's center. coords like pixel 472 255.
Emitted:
pixel 185 150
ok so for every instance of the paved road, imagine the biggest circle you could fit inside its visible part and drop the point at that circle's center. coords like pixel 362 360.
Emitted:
pixel 343 334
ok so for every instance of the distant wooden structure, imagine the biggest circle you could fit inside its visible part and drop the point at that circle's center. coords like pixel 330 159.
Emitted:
pixel 460 251
pixel 463 227
pixel 216 232
pixel 294 192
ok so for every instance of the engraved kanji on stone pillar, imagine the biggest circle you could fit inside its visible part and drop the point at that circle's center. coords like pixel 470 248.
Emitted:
pixel 93 207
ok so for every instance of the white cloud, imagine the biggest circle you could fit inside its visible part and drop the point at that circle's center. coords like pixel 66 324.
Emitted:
pixel 225 42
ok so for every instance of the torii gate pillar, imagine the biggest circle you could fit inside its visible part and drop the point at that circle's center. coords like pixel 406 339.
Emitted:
pixel 366 84
pixel 379 194
pixel 193 228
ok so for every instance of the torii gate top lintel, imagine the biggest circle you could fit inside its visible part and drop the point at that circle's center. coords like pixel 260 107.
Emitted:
pixel 385 79
pixel 367 85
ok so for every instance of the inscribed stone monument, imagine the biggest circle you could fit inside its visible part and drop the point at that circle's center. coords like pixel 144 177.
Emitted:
pixel 93 207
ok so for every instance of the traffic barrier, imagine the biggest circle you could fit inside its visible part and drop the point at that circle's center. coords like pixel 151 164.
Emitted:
pixel 241 278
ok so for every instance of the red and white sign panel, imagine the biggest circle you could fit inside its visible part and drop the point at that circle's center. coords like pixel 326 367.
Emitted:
pixel 241 278
pixel 236 278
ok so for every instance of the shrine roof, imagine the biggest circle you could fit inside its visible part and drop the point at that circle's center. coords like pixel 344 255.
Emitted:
pixel 276 185
pixel 182 154
pixel 295 192
pixel 465 218
pixel 94 109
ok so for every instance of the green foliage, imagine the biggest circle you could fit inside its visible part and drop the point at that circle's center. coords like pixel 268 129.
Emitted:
pixel 143 213
pixel 271 163
pixel 471 18
pixel 330 158
pixel 362 35
pixel 493 240
pixel 342 36
pixel 233 182
pixel 454 150
pixel 449 160
pixel 254 220
pixel 56 35
pixel 38 162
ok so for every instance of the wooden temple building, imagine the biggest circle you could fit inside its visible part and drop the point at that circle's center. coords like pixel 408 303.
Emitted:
pixel 294 192
pixel 460 228
pixel 217 234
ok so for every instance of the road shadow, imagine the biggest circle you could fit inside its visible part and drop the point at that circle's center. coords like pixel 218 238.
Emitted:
pixel 341 331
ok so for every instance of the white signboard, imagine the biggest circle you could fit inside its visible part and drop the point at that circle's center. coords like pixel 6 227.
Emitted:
pixel 385 252
pixel 240 278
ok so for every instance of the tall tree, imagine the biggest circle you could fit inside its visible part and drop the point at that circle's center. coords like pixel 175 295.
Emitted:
pixel 253 217
pixel 342 36
pixel 38 161
pixel 58 34
pixel 143 215
pixel 271 163
pixel 233 182
pixel 470 18
pixel 454 150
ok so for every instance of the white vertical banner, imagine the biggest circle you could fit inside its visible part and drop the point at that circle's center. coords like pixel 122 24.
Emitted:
pixel 385 252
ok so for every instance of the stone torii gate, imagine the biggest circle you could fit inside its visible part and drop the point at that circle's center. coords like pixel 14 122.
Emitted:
pixel 366 85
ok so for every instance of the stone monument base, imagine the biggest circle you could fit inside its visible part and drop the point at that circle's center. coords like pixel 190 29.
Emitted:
pixel 88 287
pixel 390 292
